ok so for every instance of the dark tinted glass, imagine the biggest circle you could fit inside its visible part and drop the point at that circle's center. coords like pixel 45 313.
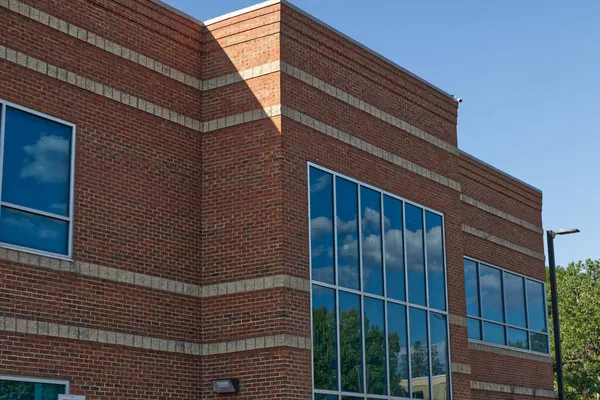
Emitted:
pixel 370 204
pixel 17 390
pixel 493 333
pixel 539 342
pixel 36 161
pixel 436 277
pixel 347 233
pixel 517 338
pixel 324 338
pixel 472 288
pixel 321 225
pixel 514 295
pixel 491 293
pixel 375 346
pixel 33 231
pixel 394 248
pixel 414 254
pixel 325 397
pixel 439 356
pixel 398 350
pixel 536 306
pixel 419 353
pixel 351 343
pixel 474 327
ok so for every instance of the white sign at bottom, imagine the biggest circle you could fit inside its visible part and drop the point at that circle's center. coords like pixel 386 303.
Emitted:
pixel 70 397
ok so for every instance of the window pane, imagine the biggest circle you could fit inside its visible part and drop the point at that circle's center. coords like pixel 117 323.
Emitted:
pixel 33 231
pixel 439 356
pixel 491 293
pixel 350 343
pixel 325 397
pixel 414 254
pixel 398 350
pixel 472 288
pixel 19 390
pixel 493 333
pixel 474 328
pixel 324 338
pixel 536 306
pixel 321 225
pixel 347 233
pixel 517 338
pixel 419 353
pixel 370 204
pixel 375 346
pixel 436 278
pixel 37 154
pixel 394 248
pixel 539 342
pixel 514 294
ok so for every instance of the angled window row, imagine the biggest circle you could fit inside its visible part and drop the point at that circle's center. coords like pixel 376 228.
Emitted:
pixel 504 308
pixel 380 326
pixel 36 185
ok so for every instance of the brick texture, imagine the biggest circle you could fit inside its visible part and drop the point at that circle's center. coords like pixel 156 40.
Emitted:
pixel 190 243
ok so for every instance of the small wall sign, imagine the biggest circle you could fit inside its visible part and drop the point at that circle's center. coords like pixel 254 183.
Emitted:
pixel 70 397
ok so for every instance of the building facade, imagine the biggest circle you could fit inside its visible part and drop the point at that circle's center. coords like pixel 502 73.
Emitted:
pixel 254 197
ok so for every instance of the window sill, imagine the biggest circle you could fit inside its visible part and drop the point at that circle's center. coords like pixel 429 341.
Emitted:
pixel 508 351
pixel 35 258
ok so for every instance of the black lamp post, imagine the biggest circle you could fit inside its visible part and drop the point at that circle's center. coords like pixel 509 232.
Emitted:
pixel 550 235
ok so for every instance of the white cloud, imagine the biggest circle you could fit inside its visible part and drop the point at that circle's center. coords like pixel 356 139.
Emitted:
pixel 27 226
pixel 47 160
pixel 322 182
pixel 320 226
pixel 346 226
pixel 394 256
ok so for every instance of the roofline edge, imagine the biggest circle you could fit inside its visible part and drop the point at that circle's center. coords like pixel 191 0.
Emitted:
pixel 462 152
pixel 318 21
pixel 178 12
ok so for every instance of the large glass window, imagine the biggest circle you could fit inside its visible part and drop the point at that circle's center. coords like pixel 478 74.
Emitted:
pixel 380 326
pixel 504 308
pixel 17 388
pixel 36 154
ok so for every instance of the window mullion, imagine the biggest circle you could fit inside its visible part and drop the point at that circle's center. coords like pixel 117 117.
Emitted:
pixel 406 297
pixel 2 132
pixel 362 287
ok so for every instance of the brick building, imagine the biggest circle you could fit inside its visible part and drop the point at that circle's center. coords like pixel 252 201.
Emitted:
pixel 180 202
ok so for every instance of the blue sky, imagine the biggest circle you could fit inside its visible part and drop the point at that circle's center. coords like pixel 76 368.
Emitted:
pixel 527 71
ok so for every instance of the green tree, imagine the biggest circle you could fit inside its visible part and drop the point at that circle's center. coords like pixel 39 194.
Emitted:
pixel 324 340
pixel 579 310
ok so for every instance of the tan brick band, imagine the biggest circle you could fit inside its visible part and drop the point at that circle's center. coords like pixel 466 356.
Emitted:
pixel 156 282
pixel 457 320
pixel 461 368
pixel 366 107
pixel 98 88
pixel 368 147
pixel 499 213
pixel 502 242
pixel 50 329
pixel 498 387
pixel 510 352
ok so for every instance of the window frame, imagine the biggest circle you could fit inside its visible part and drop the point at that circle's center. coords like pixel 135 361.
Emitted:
pixel 505 324
pixel 4 104
pixel 38 380
pixel 361 293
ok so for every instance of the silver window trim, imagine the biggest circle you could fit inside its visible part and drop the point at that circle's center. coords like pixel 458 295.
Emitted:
pixel 362 293
pixel 5 104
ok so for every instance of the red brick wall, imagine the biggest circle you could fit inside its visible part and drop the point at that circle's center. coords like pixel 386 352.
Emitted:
pixel 154 197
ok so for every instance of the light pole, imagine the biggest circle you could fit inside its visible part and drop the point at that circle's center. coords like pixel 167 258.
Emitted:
pixel 550 235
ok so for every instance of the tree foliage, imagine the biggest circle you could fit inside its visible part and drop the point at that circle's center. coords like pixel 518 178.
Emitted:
pixel 578 288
